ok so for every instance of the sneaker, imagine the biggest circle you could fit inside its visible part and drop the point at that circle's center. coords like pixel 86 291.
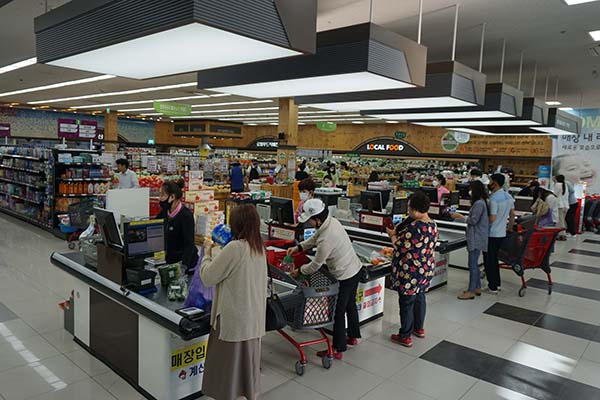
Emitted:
pixel 406 342
pixel 466 295
pixel 490 291
pixel 351 341
pixel 420 333
pixel 499 288
pixel 336 354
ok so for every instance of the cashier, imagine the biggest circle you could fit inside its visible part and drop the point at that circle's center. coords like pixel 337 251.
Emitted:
pixel 307 191
pixel 440 183
pixel 335 250
pixel 180 228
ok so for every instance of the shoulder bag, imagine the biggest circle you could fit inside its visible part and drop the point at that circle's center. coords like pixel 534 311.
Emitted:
pixel 276 317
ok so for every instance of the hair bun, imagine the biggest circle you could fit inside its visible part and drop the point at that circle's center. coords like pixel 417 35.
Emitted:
pixel 180 182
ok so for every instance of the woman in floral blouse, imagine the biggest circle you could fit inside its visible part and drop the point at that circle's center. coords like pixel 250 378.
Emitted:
pixel 413 266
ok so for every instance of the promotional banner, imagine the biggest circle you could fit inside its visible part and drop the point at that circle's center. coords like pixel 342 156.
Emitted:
pixel 578 157
pixel 4 130
pixel 77 129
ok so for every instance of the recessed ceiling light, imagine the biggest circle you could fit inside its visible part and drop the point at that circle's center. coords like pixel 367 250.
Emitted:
pixel 57 85
pixel 232 103
pixel 391 122
pixel 124 103
pixel 301 123
pixel 442 115
pixel 575 2
pixel 553 103
pixel 566 108
pixel 18 65
pixel 251 124
pixel 595 35
pixel 358 122
pixel 121 93
pixel 274 123
pixel 430 102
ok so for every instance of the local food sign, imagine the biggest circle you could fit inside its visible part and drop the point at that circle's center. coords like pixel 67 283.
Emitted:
pixel 264 143
pixel 387 146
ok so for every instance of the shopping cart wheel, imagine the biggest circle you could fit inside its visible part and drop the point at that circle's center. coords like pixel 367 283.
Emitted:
pixel 518 268
pixel 72 245
pixel 549 289
pixel 522 292
pixel 300 368
pixel 327 361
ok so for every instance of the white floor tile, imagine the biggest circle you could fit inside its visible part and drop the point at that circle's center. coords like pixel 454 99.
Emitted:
pixel 62 340
pixel 592 353
pixel 15 329
pixel 542 359
pixel 484 390
pixel 421 375
pixel 270 379
pixel 587 372
pixel 117 386
pixel 577 314
pixel 90 364
pixel 377 359
pixel 420 346
pixel 342 381
pixel 45 322
pixel 292 391
pixel 499 326
pixel 84 390
pixel 481 340
pixel 566 345
pixel 40 377
pixel 17 353
pixel 393 390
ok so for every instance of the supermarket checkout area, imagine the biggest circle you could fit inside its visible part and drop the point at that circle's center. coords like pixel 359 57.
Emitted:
pixel 135 325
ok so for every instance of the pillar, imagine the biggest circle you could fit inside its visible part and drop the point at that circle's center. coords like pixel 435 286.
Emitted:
pixel 111 131
pixel 288 125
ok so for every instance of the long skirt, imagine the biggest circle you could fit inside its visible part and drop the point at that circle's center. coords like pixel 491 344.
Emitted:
pixel 232 369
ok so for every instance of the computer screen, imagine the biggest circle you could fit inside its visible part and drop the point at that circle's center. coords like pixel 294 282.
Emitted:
pixel 523 203
pixel 370 200
pixel 400 206
pixel 463 190
pixel 108 228
pixel 454 198
pixel 432 193
pixel 282 210
pixel 145 237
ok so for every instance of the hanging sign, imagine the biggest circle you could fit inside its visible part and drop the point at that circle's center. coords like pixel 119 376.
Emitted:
pixel 400 135
pixel 544 176
pixel 4 130
pixel 462 137
pixel 449 142
pixel 327 126
pixel 88 129
pixel 386 146
pixel 77 129
pixel 172 109
pixel 264 143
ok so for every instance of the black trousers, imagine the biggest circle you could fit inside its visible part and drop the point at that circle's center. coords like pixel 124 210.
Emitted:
pixel 492 270
pixel 346 308
pixel 571 223
pixel 412 313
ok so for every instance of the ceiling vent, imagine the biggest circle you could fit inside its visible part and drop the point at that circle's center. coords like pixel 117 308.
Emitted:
pixel 594 50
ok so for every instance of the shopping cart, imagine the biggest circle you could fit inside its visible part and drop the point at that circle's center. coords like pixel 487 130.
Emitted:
pixel 529 249
pixel 79 220
pixel 309 304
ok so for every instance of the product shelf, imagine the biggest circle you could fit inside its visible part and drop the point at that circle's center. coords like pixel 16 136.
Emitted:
pixel 25 218
pixel 22 198
pixel 80 195
pixel 85 179
pixel 32 171
pixel 81 164
pixel 23 184
pixel 22 157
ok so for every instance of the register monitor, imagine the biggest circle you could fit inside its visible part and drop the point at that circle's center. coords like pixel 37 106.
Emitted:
pixel 370 200
pixel 523 203
pixel 432 193
pixel 400 206
pixel 144 238
pixel 109 228
pixel 282 210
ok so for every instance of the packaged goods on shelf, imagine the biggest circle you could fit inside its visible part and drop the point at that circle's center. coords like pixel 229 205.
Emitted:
pixel 200 195
pixel 205 207
pixel 207 222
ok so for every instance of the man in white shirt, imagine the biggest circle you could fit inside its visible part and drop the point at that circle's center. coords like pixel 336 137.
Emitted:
pixel 127 178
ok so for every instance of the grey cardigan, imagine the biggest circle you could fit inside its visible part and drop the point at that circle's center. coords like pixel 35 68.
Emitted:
pixel 478 227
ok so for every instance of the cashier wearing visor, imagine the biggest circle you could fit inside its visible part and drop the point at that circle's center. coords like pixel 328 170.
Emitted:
pixel 335 250
pixel 180 227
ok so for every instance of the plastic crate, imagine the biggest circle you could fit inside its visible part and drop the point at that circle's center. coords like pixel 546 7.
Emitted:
pixel 80 213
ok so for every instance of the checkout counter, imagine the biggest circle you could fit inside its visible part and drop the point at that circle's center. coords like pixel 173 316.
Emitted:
pixel 141 335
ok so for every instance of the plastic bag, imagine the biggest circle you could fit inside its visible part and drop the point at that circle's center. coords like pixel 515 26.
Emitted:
pixel 89 232
pixel 199 295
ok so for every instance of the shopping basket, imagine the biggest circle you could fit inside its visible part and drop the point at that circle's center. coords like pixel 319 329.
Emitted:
pixel 529 249
pixel 309 305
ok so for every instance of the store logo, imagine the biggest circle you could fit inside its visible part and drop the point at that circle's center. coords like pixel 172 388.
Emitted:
pixel 267 144
pixel 384 147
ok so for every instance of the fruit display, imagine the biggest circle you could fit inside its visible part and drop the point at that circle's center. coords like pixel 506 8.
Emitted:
pixel 387 252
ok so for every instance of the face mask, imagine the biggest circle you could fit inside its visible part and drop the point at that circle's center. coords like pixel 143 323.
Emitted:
pixel 304 196
pixel 165 204
pixel 491 188
pixel 436 183
pixel 470 194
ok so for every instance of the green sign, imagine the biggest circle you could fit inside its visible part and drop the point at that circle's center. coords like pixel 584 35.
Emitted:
pixel 172 109
pixel 400 135
pixel 352 155
pixel 327 126
pixel 449 142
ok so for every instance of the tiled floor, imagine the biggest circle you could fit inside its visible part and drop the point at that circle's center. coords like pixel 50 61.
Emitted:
pixel 495 347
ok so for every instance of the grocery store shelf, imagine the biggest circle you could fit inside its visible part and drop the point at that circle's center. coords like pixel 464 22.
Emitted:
pixel 33 171
pixel 23 157
pixel 23 184
pixel 81 164
pixel 85 179
pixel 25 218
pixel 80 195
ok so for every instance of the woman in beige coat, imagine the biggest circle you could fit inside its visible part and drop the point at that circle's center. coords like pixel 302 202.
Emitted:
pixel 239 271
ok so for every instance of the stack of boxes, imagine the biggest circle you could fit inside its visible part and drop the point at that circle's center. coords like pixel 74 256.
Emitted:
pixel 202 203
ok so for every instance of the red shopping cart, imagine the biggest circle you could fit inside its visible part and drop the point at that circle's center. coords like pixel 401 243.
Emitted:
pixel 79 220
pixel 309 303
pixel 529 249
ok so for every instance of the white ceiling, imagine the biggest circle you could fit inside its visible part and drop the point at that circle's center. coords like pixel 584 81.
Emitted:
pixel 548 32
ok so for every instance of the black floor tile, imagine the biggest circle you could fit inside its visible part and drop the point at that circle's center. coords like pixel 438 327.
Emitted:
pixel 592 241
pixel 568 326
pixel 576 267
pixel 585 252
pixel 508 374
pixel 6 314
pixel 513 313
pixel 566 289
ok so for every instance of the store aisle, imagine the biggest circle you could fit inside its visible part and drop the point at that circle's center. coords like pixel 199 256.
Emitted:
pixel 494 347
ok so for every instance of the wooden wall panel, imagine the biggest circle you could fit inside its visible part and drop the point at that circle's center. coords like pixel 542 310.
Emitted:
pixel 164 136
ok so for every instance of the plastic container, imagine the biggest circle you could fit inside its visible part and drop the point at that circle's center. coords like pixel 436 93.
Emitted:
pixel 287 264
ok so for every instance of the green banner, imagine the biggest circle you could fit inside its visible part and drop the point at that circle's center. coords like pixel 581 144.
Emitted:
pixel 172 109
pixel 400 135
pixel 327 126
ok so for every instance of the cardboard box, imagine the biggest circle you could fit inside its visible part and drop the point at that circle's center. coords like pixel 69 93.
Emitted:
pixel 200 195
pixel 204 207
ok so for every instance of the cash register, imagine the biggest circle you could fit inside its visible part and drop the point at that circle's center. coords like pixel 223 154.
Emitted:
pixel 372 216
pixel 281 224
pixel 444 207
pixel 121 258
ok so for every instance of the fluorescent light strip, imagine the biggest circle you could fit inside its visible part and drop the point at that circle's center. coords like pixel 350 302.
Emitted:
pixel 553 103
pixel 121 93
pixel 595 35
pixel 576 2
pixel 443 115
pixel 18 65
pixel 58 85
pixel 232 103
pixel 124 103
pixel 478 123
pixel 554 131
pixel 392 104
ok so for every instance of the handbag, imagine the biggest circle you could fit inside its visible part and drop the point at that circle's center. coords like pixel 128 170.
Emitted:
pixel 276 317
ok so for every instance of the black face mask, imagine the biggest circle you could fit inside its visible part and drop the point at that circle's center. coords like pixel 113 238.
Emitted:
pixel 491 188
pixel 166 204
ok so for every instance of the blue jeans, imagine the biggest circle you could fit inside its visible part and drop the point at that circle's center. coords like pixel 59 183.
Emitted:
pixel 412 313
pixel 474 273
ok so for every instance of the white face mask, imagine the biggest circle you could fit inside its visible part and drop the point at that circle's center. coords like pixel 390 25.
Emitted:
pixel 436 183
pixel 304 196
pixel 470 194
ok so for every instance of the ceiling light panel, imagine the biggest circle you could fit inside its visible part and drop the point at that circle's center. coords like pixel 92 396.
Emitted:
pixel 18 65
pixel 57 85
pixel 478 123
pixel 440 115
pixel 125 103
pixel 126 37
pixel 595 35
pixel 576 2
pixel 355 58
pixel 393 104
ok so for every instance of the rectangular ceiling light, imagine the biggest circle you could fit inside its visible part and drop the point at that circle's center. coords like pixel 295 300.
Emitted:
pixel 57 85
pixel 351 59
pixel 18 65
pixel 129 37
pixel 450 124
pixel 561 123
pixel 448 84
pixel 501 101
pixel 575 2
pixel 125 103
pixel 595 35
